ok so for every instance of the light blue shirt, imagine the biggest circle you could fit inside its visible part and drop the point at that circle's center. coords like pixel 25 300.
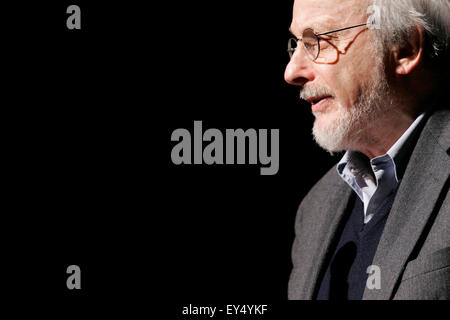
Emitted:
pixel 373 180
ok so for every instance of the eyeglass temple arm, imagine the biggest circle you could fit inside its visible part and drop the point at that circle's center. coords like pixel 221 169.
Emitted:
pixel 359 25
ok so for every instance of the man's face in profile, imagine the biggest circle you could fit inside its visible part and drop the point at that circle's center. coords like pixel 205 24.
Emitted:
pixel 346 85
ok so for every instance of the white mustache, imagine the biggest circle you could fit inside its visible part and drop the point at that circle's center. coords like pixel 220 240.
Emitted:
pixel 314 92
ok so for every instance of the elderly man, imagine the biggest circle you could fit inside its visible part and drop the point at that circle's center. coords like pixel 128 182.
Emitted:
pixel 377 225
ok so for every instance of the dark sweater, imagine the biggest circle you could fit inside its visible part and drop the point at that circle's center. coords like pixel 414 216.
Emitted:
pixel 345 277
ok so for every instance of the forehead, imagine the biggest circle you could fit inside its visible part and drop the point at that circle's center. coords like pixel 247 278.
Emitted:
pixel 324 15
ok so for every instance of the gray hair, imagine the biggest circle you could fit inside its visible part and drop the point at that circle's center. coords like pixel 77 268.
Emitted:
pixel 399 17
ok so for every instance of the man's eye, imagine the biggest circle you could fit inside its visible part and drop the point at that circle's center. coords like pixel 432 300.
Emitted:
pixel 310 45
pixel 329 37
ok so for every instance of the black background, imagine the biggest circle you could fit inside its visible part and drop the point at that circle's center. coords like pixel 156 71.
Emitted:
pixel 90 116
pixel 100 105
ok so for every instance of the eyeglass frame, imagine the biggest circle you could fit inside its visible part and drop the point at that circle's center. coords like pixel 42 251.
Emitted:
pixel 291 51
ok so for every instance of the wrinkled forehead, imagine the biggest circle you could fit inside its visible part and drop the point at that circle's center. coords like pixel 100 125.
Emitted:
pixel 325 15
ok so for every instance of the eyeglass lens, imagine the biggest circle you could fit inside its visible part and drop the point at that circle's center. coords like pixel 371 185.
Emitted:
pixel 310 42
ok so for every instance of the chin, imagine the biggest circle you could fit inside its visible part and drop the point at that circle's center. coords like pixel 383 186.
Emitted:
pixel 331 130
pixel 327 120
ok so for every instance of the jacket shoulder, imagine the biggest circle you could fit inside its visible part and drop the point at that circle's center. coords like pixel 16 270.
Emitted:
pixel 326 194
pixel 439 126
pixel 330 183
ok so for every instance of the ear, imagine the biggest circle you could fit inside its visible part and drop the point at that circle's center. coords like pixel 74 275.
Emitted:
pixel 409 55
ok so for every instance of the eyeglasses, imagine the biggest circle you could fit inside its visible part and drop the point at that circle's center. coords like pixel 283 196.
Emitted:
pixel 311 41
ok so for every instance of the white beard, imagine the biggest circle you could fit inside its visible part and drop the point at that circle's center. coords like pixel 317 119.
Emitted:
pixel 347 130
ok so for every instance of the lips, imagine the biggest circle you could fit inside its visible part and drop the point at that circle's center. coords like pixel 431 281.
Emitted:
pixel 317 103
pixel 315 100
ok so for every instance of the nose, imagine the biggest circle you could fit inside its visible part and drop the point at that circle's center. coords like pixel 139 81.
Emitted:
pixel 299 69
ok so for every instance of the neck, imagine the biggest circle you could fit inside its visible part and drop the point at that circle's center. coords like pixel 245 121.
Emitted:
pixel 382 135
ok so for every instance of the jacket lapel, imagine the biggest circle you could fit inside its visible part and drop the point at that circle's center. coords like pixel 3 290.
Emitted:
pixel 425 176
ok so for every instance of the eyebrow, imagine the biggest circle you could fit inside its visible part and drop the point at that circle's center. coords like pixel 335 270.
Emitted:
pixel 318 25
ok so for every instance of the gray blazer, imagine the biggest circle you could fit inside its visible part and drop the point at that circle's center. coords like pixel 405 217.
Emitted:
pixel 414 250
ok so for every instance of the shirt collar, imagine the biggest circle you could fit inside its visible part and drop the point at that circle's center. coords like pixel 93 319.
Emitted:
pixel 354 159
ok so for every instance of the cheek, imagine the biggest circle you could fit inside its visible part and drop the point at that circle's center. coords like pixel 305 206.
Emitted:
pixel 348 89
pixel 350 75
pixel 340 81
